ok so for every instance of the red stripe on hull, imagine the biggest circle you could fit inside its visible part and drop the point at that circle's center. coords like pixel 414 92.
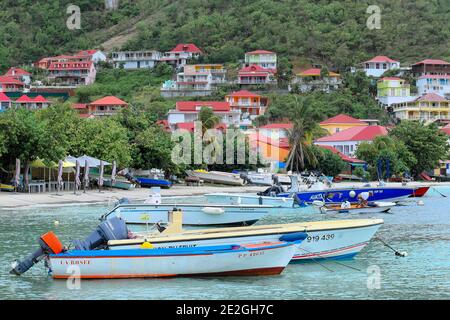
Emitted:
pixel 419 192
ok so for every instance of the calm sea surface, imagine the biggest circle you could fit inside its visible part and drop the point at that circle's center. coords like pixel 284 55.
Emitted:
pixel 422 231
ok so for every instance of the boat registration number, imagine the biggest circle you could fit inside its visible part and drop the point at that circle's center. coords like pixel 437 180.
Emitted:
pixel 328 236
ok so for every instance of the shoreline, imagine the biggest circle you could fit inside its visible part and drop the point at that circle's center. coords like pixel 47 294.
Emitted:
pixel 11 201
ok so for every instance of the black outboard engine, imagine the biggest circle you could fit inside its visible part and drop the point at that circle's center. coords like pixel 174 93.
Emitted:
pixel 244 177
pixel 271 191
pixel 48 244
pixel 112 229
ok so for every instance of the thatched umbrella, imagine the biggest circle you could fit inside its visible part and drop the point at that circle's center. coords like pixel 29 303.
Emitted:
pixel 86 175
pixel 113 174
pixel 77 177
pixel 16 180
pixel 100 178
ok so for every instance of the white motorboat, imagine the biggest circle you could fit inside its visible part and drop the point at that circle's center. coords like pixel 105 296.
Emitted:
pixel 217 177
pixel 249 199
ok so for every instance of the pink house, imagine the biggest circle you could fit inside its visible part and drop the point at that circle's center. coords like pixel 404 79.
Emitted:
pixel 256 75
pixel 72 73
pixel 10 84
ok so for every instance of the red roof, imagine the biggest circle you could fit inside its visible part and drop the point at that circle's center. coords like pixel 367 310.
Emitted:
pixel 164 124
pixel 431 97
pixel 188 47
pixel 79 106
pixel 243 93
pixel 260 138
pixel 431 61
pixel 10 80
pixel 194 106
pixel 17 72
pixel 86 52
pixel 342 118
pixel 24 99
pixel 391 78
pixel 363 133
pixel 435 76
pixel 316 72
pixel 341 155
pixel 4 97
pixel 71 65
pixel 108 101
pixel 277 126
pixel 260 52
pixel 40 99
pixel 190 126
pixel 446 129
pixel 381 59
pixel 255 68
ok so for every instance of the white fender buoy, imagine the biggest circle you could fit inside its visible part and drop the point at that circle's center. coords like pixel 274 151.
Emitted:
pixel 213 210
pixel 352 194
pixel 420 203
pixel 56 223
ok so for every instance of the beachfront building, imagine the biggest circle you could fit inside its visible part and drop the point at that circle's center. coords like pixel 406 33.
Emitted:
pixel 136 59
pixel 378 65
pixel 347 141
pixel 10 84
pixel 249 104
pixel 263 58
pixel 188 111
pixel 256 75
pixel 315 80
pixel 29 103
pixel 195 80
pixel 430 66
pixel 179 56
pixel 5 102
pixel 428 107
pixel 433 83
pixel 106 106
pixel 72 73
pixel 393 90
pixel 19 74
pixel 341 122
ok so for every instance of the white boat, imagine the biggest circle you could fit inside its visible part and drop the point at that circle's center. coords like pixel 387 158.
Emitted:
pixel 267 258
pixel 217 177
pixel 373 207
pixel 193 214
pixel 258 178
pixel 237 199
pixel 334 239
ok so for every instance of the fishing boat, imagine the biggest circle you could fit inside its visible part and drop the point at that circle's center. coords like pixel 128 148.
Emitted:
pixel 217 177
pixel 236 199
pixel 420 192
pixel 194 214
pixel 119 183
pixel 374 207
pixel 94 261
pixel 154 182
pixel 258 178
pixel 331 239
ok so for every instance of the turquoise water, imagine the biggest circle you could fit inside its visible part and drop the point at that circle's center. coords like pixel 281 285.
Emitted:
pixel 422 231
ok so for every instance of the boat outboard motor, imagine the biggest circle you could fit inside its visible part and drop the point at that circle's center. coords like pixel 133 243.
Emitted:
pixel 271 191
pixel 276 180
pixel 49 244
pixel 112 229
pixel 244 177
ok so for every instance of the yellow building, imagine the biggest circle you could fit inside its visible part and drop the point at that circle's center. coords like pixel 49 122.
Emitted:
pixel 428 108
pixel 341 122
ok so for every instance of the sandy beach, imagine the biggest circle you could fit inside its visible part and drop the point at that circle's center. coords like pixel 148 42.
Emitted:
pixel 10 200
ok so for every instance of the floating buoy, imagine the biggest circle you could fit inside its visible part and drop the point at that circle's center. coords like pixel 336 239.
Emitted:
pixel 352 194
pixel 147 245
pixel 56 223
pixel 420 203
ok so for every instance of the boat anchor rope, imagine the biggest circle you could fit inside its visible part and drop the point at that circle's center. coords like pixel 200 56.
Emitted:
pixel 397 253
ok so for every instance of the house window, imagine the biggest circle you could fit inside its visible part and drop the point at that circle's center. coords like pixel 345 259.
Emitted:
pixel 378 66
pixel 384 66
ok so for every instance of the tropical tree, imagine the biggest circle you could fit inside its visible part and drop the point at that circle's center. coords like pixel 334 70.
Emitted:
pixel 208 119
pixel 328 163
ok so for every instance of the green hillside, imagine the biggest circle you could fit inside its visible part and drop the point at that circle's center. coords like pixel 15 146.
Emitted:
pixel 305 31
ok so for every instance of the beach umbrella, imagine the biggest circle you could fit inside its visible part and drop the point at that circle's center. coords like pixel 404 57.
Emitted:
pixel 77 176
pixel 86 175
pixel 60 175
pixel 113 173
pixel 17 174
pixel 100 178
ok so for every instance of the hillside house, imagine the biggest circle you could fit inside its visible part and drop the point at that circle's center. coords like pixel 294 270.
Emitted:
pixel 263 58
pixel 249 104
pixel 393 90
pixel 179 56
pixel 10 84
pixel 378 65
pixel 430 66
pixel 312 80
pixel 341 122
pixel 256 75
pixel 433 83
pixel 428 107
pixel 72 73
pixel 19 74
pixel 136 59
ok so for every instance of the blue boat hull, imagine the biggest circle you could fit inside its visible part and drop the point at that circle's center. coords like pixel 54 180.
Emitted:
pixel 340 195
pixel 147 182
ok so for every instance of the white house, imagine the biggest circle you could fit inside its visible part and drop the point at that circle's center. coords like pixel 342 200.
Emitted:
pixel 19 74
pixel 94 55
pixel 263 58
pixel 136 59
pixel 179 56
pixel 432 83
pixel 378 65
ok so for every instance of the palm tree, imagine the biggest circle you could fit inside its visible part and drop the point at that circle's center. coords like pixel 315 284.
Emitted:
pixel 300 138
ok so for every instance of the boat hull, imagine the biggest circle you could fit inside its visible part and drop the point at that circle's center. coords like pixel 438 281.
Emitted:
pixel 217 177
pixel 227 198
pixel 268 259
pixel 326 239
pixel 378 208
pixel 341 195
pixel 148 183
pixel 193 214
pixel 420 192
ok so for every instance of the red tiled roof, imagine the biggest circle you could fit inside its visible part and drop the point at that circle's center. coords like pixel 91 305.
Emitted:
pixel 280 142
pixel 342 118
pixel 243 93
pixel 316 72
pixel 381 59
pixel 194 106
pixel 40 99
pixel 341 155
pixel 260 52
pixel 17 72
pixel 277 126
pixel 363 133
pixel 431 61
pixel 391 78
pixel 431 97
pixel 4 97
pixel 108 101
pixel 255 68
pixel 190 126
pixel 188 47
pixel 10 80
pixel 71 65
pixel 79 106
pixel 435 76
pixel 86 52
pixel 24 99
pixel 446 129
